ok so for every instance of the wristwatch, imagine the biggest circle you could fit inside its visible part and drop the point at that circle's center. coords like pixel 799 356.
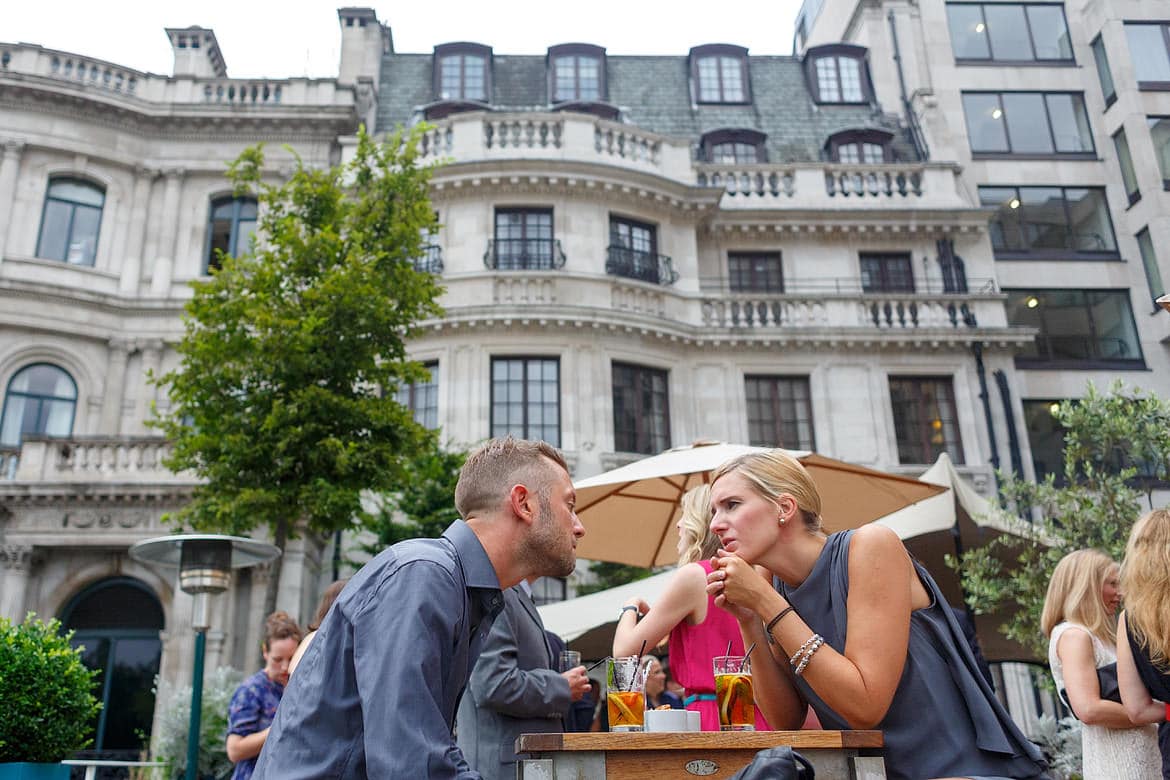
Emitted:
pixel 622 614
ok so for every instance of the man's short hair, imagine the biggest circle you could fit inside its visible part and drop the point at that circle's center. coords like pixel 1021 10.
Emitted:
pixel 490 472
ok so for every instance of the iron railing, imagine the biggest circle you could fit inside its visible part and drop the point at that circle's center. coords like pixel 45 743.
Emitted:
pixel 524 254
pixel 431 261
pixel 644 266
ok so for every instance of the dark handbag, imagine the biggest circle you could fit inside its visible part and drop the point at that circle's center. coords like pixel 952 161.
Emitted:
pixel 777 763
pixel 1106 681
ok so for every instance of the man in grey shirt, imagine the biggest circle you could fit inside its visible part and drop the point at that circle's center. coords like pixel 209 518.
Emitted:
pixel 376 693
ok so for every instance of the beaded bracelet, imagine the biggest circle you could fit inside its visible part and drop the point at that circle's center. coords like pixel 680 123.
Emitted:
pixel 803 648
pixel 808 655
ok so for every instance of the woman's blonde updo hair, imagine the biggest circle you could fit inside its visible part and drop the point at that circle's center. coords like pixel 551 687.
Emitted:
pixel 1075 594
pixel 774 473
pixel 1145 581
pixel 696 525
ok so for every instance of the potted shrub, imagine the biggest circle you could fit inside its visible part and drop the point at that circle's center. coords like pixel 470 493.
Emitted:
pixel 170 741
pixel 47 706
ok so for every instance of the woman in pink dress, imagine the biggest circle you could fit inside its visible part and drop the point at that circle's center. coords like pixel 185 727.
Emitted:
pixel 698 629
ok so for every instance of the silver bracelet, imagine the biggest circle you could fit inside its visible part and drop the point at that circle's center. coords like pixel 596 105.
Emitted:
pixel 808 655
pixel 800 653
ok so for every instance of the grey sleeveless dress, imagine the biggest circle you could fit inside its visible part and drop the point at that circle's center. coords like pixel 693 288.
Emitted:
pixel 944 720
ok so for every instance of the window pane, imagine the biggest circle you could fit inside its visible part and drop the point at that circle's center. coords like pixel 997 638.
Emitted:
pixel 1128 177
pixel 1076 325
pixel 1046 437
pixel 134 666
pixel 526 398
pixel 851 91
pixel 473 78
pixel 924 419
pixel 1160 134
pixel 1005 225
pixel 641 416
pixel 45 380
pixel 732 74
pixel 1092 230
pixel 588 79
pixel 1150 263
pixel 1008 31
pixel 54 230
pixel 1104 74
pixel 827 86
pixel 450 77
pixel 16 409
pixel 76 192
pixel 985 125
pixel 1049 32
pixel 1027 123
pixel 779 412
pixel 1043 219
pixel 968 32
pixel 1147 49
pixel 755 272
pixel 709 79
pixel 1070 123
pixel 1116 335
pixel 83 236
pixel 873 154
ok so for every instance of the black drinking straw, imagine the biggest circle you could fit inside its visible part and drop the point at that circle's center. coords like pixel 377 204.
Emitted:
pixel 637 664
pixel 728 647
pixel 746 655
pixel 598 663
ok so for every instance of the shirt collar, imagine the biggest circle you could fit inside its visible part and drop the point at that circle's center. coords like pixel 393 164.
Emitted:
pixel 477 567
pixel 526 587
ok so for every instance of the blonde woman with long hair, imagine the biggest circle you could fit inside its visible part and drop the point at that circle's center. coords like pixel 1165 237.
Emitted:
pixel 1143 652
pixel 1079 617
pixel 698 629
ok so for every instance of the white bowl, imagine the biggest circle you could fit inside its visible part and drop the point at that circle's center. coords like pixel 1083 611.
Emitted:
pixel 666 720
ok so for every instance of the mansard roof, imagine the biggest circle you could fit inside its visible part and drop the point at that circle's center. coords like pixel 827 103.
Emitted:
pixel 654 93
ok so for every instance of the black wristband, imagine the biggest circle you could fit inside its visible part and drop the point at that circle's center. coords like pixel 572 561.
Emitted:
pixel 622 614
pixel 772 623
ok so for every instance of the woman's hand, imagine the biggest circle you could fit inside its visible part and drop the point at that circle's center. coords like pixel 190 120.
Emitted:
pixel 736 585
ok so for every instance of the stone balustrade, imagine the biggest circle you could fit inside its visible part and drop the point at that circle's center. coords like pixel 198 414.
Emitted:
pixel 114 80
pixel 95 459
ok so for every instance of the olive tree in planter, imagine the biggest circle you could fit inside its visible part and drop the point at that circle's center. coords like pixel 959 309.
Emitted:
pixel 47 706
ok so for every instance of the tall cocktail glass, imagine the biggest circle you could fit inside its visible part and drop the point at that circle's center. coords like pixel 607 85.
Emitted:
pixel 626 696
pixel 734 694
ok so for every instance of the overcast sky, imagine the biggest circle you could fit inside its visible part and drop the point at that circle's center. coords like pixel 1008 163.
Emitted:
pixel 269 38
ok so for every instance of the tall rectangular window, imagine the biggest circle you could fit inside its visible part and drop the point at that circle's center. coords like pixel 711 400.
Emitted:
pixel 779 412
pixel 641 409
pixel 1053 222
pixel 422 398
pixel 1149 48
pixel 721 79
pixel 1160 135
pixel 1009 32
pixel 576 77
pixel 463 77
pixel 71 220
pixel 1046 438
pixel 1128 177
pixel 886 272
pixel 1028 124
pixel 633 250
pixel 925 422
pixel 1104 74
pixel 524 239
pixel 755 272
pixel 230 229
pixel 526 398
pixel 1078 328
pixel 1150 263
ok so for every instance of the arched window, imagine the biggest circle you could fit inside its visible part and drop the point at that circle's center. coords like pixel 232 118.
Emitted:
pixel 719 74
pixel 733 146
pixel 118 621
pixel 230 228
pixel 40 400
pixel 865 146
pixel 838 73
pixel 70 221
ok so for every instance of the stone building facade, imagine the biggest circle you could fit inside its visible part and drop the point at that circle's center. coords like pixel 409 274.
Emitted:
pixel 638 251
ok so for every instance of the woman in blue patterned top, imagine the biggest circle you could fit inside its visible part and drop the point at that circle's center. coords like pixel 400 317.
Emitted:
pixel 254 703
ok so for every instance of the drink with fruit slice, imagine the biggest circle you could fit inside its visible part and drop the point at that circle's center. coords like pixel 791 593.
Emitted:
pixel 625 684
pixel 734 694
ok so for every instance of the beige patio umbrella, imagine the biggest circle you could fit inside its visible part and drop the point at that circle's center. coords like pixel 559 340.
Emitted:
pixel 629 513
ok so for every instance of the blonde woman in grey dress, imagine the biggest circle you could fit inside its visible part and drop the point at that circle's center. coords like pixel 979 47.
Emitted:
pixel 1080 621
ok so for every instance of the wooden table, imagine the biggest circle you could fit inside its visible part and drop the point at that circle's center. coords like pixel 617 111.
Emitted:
pixel 836 755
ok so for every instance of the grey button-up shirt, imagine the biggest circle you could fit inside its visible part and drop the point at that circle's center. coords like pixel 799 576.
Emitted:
pixel 376 692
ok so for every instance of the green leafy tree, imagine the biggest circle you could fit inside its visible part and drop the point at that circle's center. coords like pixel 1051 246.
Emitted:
pixel 47 706
pixel 424 503
pixel 283 401
pixel 1117 445
pixel 610 575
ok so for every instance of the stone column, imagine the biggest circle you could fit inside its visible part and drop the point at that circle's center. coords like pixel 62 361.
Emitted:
pixel 151 362
pixel 9 165
pixel 164 264
pixel 15 565
pixel 136 243
pixel 115 388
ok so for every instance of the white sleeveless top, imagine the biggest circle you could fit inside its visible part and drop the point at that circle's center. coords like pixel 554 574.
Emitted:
pixel 1109 754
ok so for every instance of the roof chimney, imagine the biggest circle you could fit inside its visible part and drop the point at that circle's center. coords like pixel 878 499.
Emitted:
pixel 363 41
pixel 196 53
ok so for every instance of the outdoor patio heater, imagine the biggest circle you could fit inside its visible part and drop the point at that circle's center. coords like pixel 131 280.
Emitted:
pixel 205 563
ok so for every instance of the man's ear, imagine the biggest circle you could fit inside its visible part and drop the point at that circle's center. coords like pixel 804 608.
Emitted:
pixel 523 503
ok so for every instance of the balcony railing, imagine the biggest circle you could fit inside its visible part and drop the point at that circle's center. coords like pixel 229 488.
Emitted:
pixel 90 459
pixel 431 261
pixel 644 266
pixel 524 254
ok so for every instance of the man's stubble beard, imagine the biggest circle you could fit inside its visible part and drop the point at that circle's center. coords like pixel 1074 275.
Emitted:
pixel 547 551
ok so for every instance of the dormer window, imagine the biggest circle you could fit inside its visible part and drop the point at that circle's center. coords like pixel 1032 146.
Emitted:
pixel 867 147
pixel 719 73
pixel 837 73
pixel 462 72
pixel 576 73
pixel 733 147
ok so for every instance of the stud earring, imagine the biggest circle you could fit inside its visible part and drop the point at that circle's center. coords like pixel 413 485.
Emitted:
pixel 782 521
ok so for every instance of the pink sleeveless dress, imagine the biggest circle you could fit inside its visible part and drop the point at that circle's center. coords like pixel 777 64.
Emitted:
pixel 691 651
